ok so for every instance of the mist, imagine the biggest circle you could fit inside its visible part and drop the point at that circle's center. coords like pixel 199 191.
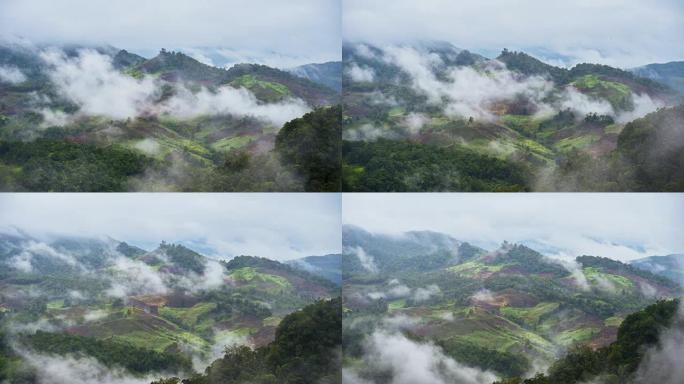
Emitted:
pixel 90 81
pixel 11 75
pixel 464 92
pixel 79 370
pixel 411 362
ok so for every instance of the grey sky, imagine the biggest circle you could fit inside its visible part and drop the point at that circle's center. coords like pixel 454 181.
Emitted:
pixel 278 226
pixel 624 33
pixel 616 225
pixel 273 31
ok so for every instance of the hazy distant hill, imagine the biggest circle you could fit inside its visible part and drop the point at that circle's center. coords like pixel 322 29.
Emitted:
pixel 670 74
pixel 670 266
pixel 328 74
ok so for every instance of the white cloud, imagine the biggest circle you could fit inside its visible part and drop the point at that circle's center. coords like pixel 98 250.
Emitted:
pixel 233 101
pixel 410 362
pixel 360 74
pixel 84 370
pixel 12 75
pixel 132 277
pixel 367 261
pixel 423 294
pixel 90 81
pixel 415 121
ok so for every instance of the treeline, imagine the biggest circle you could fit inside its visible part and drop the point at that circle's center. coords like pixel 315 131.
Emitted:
pixel 306 349
pixel 58 165
pixel 310 145
pixel 403 166
pixel 618 362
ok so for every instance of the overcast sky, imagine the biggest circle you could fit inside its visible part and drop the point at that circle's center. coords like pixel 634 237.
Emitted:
pixel 278 226
pixel 617 225
pixel 624 33
pixel 291 32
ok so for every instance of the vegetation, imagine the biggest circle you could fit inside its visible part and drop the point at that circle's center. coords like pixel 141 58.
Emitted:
pixel 399 166
pixel 54 165
pixel 311 146
pixel 109 353
pixel 618 361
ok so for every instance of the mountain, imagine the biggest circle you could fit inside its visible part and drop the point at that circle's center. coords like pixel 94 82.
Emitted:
pixel 670 266
pixel 168 122
pixel 498 310
pixel 144 311
pixel 328 266
pixel 670 74
pixel 328 74
pixel 429 116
